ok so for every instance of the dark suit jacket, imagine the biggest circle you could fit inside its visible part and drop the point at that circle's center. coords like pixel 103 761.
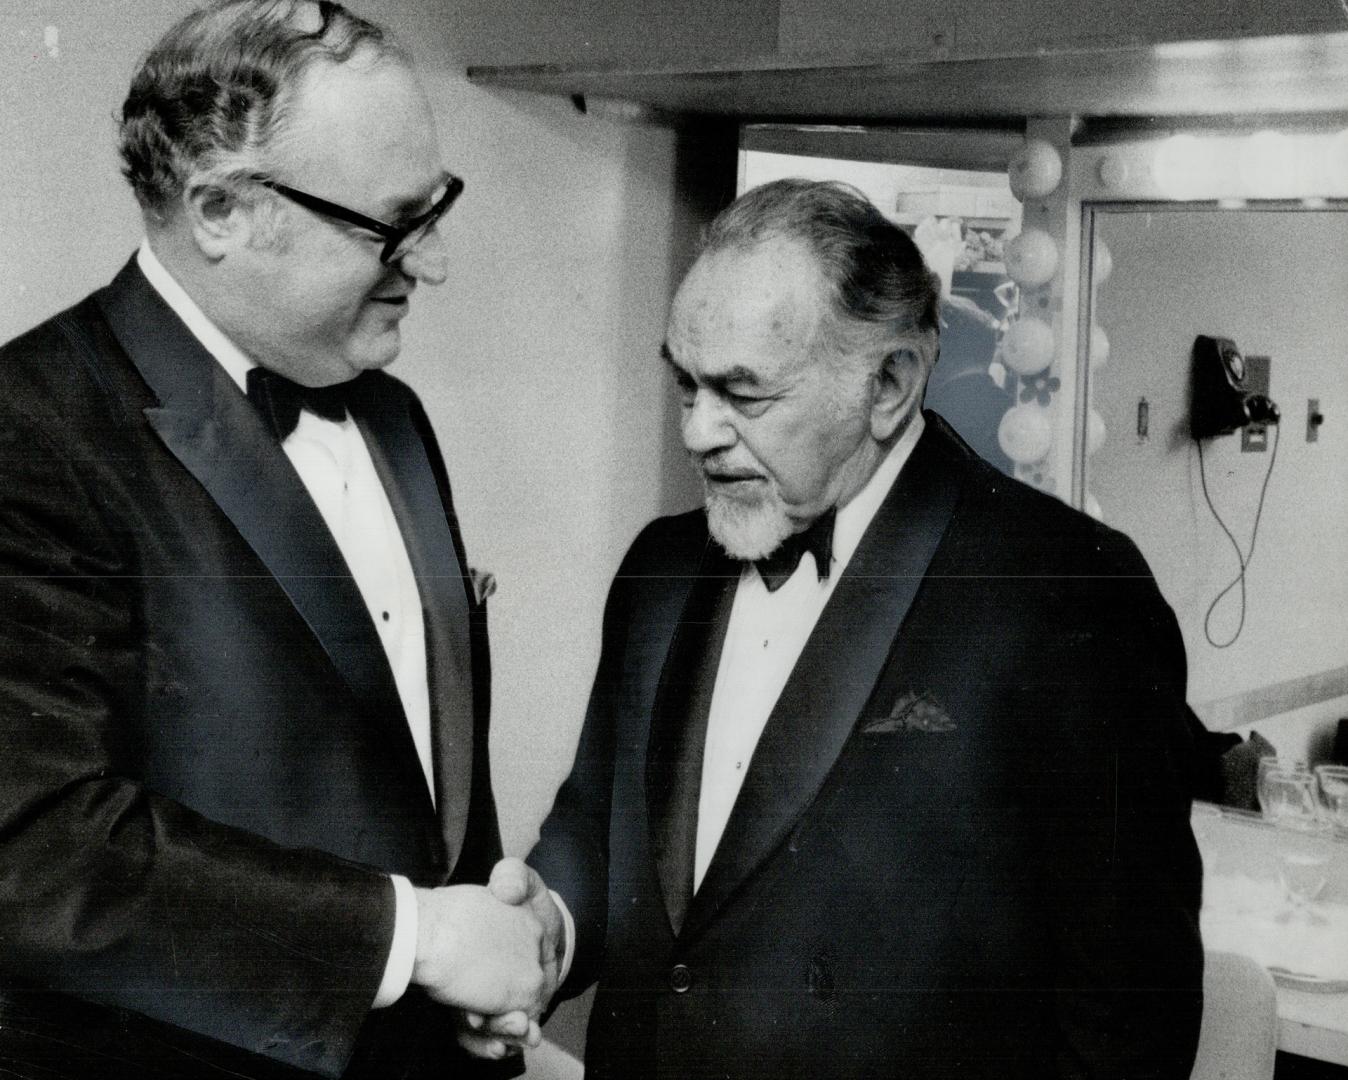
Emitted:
pixel 206 766
pixel 962 848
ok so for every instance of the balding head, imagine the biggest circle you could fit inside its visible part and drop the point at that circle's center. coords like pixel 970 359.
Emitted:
pixel 801 340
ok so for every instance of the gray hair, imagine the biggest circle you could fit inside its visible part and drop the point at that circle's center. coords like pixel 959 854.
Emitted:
pixel 213 93
pixel 879 289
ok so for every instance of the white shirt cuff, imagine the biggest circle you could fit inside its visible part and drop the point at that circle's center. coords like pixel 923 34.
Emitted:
pixel 402 953
pixel 570 936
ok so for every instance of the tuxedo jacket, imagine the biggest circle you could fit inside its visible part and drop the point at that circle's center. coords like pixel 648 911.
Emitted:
pixel 207 772
pixel 962 846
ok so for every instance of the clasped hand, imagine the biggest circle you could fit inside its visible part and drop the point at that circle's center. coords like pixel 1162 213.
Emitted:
pixel 494 952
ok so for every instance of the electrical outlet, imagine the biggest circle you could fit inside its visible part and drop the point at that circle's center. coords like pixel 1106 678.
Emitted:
pixel 1314 418
pixel 1254 437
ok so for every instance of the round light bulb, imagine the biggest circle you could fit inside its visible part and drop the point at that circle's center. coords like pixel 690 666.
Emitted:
pixel 1102 263
pixel 1113 170
pixel 1027 346
pixel 1267 164
pixel 1099 354
pixel 1095 431
pixel 1025 433
pixel 1186 167
pixel 1035 170
pixel 1031 258
pixel 1335 166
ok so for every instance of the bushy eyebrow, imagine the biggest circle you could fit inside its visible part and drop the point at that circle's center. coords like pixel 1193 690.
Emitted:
pixel 735 376
pixel 680 375
pixel 415 204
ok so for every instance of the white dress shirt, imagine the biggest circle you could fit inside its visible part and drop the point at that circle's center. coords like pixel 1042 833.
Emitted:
pixel 335 467
pixel 763 641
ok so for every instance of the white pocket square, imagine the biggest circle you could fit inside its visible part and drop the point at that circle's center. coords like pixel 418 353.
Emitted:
pixel 484 584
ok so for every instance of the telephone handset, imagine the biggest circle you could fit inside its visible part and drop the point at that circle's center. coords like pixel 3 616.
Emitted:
pixel 1221 401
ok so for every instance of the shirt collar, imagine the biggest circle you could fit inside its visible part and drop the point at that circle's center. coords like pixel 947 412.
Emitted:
pixel 855 517
pixel 228 355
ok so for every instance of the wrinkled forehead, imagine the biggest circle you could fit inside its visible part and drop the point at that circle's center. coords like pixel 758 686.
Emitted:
pixel 771 293
pixel 362 124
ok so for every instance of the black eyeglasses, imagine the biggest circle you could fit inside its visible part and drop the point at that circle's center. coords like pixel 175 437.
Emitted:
pixel 399 240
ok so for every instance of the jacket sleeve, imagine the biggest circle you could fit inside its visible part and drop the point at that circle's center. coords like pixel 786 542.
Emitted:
pixel 1124 873
pixel 108 890
pixel 572 854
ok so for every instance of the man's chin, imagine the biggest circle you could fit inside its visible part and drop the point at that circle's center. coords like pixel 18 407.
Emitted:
pixel 376 356
pixel 746 531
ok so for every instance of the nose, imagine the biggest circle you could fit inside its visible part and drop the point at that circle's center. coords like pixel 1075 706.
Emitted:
pixel 428 261
pixel 706 425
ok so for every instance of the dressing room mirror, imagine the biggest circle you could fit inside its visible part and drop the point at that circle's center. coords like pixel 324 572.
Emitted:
pixel 1247 532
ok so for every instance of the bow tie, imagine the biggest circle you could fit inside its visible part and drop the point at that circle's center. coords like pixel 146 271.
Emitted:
pixel 280 400
pixel 778 567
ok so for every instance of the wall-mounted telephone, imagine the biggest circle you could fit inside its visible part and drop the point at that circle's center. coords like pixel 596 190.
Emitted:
pixel 1230 394
pixel 1222 402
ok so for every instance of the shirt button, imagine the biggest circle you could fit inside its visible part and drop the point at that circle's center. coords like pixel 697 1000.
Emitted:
pixel 680 978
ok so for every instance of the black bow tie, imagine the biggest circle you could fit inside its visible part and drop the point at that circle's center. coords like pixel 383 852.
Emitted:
pixel 778 567
pixel 280 400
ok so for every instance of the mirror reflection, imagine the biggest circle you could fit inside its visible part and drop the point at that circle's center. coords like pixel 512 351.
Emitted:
pixel 1246 529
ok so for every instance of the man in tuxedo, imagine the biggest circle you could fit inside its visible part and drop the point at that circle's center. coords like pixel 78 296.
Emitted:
pixel 246 820
pixel 885 771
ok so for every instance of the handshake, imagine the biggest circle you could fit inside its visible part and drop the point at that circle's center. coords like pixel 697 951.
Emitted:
pixel 494 953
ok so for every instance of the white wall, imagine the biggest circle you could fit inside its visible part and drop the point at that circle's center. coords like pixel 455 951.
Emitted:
pixel 67 221
pixel 537 361
pixel 1275 282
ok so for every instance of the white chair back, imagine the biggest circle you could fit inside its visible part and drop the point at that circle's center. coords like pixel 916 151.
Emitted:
pixel 1239 1035
pixel 550 1062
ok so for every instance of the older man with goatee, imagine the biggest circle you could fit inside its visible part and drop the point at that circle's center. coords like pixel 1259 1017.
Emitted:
pixel 886 768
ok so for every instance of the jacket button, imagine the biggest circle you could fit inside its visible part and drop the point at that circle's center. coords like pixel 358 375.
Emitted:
pixel 680 978
pixel 821 979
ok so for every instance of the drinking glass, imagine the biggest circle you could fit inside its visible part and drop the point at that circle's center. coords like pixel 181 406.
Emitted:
pixel 1333 782
pixel 1288 798
pixel 1286 790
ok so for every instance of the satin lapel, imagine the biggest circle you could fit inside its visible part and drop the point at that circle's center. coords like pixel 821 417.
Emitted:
pixel 208 425
pixel 399 456
pixel 679 727
pixel 836 672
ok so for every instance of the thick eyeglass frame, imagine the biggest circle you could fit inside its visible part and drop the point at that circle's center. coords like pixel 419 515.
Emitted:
pixel 393 235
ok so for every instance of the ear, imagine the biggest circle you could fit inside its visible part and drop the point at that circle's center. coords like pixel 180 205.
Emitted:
pixel 219 221
pixel 900 382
